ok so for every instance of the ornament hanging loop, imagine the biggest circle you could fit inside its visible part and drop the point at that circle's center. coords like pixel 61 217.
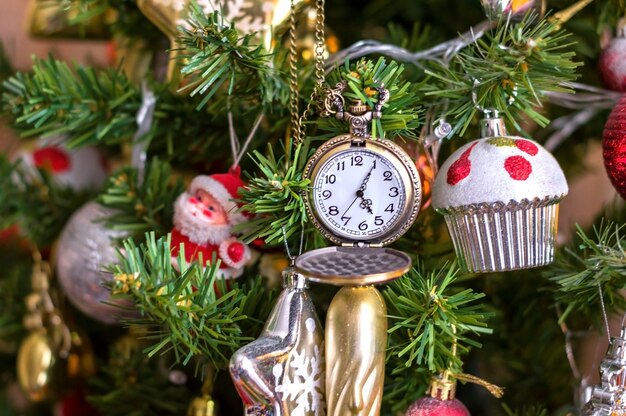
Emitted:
pixel 509 100
pixel 491 124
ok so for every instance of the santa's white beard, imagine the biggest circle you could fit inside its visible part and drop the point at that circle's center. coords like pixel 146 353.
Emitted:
pixel 192 223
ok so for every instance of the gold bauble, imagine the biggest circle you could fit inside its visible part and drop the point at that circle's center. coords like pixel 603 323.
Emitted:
pixel 50 361
pixel 49 19
pixel 356 338
pixel 37 366
pixel 202 406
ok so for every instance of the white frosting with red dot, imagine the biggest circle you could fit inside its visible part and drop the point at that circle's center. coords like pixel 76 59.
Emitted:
pixel 498 169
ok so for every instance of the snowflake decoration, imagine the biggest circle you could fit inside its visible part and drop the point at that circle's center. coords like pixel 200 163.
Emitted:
pixel 305 388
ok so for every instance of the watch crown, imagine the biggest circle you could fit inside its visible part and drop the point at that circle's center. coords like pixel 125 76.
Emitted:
pixel 357 107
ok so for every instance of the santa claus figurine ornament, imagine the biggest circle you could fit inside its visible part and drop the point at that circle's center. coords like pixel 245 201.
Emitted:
pixel 203 218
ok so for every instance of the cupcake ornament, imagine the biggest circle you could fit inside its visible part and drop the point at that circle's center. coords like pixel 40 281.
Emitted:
pixel 500 198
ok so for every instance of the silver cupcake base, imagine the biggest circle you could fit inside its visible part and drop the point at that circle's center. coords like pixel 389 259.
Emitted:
pixel 502 237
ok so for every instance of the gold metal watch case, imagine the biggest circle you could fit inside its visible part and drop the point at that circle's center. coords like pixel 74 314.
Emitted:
pixel 361 261
pixel 398 158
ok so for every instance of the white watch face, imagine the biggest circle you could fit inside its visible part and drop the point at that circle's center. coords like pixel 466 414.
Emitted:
pixel 359 194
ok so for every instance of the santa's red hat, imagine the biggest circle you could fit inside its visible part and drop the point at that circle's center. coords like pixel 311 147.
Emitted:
pixel 225 188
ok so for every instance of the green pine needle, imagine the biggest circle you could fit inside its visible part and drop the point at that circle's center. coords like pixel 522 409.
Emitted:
pixel 188 312
pixel 144 204
pixel 34 200
pixel 400 116
pixel 598 262
pixel 15 285
pixel 129 21
pixel 215 58
pixel 132 384
pixel 90 106
pixel 517 62
pixel 526 411
pixel 100 107
pixel 275 195
pixel 425 310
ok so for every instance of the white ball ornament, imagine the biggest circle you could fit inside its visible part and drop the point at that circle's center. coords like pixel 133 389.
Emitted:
pixel 85 248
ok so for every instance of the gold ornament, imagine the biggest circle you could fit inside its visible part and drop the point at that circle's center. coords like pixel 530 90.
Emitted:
pixel 53 356
pixel 37 366
pixel 46 367
pixel 49 19
pixel 356 338
pixel 266 18
pixel 204 405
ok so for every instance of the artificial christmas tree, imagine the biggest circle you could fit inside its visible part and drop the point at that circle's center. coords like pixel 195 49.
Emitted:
pixel 330 136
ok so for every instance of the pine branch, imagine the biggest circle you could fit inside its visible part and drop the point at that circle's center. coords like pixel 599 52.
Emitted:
pixel 526 411
pixel 188 312
pixel 133 385
pixel 8 188
pixel 517 62
pixel 217 58
pixel 89 106
pixel 99 107
pixel 145 204
pixel 275 196
pixel 402 390
pixel 425 310
pixel 400 113
pixel 256 306
pixel 597 263
pixel 420 37
pixel 35 201
pixel 610 12
pixel 16 264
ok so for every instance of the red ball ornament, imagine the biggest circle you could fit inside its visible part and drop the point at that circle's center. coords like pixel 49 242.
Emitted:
pixel 430 406
pixel 614 146
pixel 612 65
pixel 439 401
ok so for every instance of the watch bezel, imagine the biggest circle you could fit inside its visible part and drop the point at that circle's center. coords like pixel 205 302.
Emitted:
pixel 384 148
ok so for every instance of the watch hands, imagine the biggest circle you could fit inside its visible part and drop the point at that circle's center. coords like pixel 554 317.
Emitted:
pixel 350 206
pixel 367 178
pixel 366 204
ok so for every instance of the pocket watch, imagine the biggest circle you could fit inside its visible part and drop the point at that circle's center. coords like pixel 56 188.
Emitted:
pixel 364 194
